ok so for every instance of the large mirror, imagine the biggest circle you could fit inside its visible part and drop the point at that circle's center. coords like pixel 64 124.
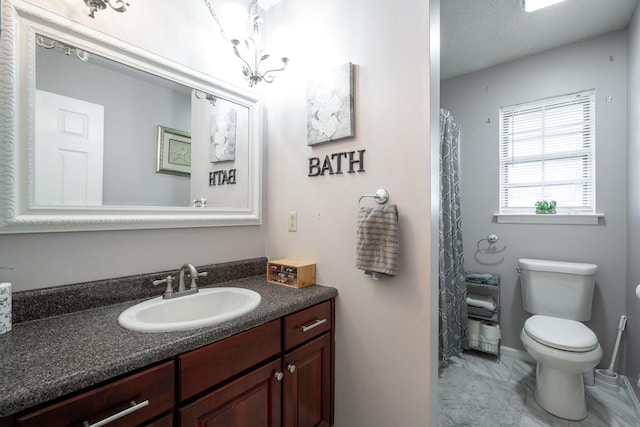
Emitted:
pixel 106 136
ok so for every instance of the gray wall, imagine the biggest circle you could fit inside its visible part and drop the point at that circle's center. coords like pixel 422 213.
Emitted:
pixel 633 223
pixel 133 108
pixel 475 98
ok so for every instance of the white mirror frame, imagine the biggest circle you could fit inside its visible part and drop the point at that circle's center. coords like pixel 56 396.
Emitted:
pixel 18 212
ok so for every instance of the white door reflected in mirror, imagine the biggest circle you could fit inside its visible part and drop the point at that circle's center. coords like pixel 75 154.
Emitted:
pixel 68 151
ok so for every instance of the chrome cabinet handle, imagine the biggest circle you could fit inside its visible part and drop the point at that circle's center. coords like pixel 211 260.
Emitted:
pixel 278 376
pixel 291 368
pixel 315 324
pixel 134 407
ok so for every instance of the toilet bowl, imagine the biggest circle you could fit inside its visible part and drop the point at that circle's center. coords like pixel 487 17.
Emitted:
pixel 559 295
pixel 563 350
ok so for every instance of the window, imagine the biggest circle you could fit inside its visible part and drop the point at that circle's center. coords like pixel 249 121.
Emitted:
pixel 547 152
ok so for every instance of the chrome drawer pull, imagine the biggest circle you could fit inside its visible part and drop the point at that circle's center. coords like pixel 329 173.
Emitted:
pixel 318 322
pixel 134 407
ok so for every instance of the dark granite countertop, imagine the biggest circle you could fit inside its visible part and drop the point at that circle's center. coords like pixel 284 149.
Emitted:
pixel 44 359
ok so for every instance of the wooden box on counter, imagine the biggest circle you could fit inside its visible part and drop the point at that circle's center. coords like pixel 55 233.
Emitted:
pixel 295 274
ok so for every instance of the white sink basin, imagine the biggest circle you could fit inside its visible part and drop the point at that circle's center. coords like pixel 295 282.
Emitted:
pixel 207 307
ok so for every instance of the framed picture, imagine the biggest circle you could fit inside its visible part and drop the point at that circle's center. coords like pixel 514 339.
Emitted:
pixel 222 144
pixel 174 152
pixel 330 106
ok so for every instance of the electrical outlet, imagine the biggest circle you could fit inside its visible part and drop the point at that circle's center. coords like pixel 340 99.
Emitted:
pixel 292 221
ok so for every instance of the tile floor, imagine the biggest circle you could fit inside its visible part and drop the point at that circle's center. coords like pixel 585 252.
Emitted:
pixel 606 408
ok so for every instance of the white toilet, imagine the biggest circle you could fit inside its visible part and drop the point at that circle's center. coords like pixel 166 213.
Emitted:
pixel 559 295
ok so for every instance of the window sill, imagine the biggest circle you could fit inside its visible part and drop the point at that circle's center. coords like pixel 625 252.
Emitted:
pixel 562 219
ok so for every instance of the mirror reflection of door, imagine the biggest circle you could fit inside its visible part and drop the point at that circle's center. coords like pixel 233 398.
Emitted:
pixel 68 151
pixel 135 103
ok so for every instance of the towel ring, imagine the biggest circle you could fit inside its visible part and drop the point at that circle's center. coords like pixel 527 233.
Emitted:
pixel 381 196
pixel 490 248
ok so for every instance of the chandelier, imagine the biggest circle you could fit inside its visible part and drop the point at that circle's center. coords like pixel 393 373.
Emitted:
pixel 241 28
pixel 95 5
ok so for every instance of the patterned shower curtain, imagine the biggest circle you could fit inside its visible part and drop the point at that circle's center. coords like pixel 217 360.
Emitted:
pixel 453 289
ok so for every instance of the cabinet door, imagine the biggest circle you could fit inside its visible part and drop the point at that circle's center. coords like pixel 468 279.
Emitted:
pixel 307 385
pixel 252 400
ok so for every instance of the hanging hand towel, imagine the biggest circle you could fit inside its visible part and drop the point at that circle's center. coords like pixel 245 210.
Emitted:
pixel 377 251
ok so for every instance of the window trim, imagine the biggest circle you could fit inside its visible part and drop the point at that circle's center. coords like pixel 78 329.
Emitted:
pixel 551 219
pixel 517 214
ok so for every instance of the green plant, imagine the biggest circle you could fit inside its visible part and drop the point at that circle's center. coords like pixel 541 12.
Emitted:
pixel 546 207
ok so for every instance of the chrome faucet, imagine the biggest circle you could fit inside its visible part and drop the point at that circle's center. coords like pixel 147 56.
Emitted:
pixel 194 275
pixel 182 289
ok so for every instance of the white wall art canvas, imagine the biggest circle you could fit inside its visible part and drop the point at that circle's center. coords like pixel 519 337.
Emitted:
pixel 330 106
pixel 223 136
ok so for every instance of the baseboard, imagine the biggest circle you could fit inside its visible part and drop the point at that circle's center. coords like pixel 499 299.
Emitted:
pixel 516 354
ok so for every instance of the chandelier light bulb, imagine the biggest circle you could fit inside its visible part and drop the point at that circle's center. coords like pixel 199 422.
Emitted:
pixel 234 20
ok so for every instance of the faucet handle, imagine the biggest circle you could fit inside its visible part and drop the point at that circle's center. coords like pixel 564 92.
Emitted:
pixel 168 292
pixel 194 284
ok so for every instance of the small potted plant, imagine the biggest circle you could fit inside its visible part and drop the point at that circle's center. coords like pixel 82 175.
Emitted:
pixel 544 207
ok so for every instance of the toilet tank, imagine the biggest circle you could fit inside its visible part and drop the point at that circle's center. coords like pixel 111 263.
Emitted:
pixel 557 288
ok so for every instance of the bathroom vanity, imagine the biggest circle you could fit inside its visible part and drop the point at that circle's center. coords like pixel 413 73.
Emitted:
pixel 271 367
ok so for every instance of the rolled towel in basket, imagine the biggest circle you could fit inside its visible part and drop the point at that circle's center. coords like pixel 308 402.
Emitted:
pixel 481 301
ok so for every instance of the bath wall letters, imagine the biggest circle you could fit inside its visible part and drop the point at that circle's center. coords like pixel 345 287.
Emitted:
pixel 336 162
pixel 222 177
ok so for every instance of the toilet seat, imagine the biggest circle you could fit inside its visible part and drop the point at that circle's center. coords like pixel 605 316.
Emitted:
pixel 562 334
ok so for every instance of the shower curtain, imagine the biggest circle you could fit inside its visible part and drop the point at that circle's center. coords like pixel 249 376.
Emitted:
pixel 453 291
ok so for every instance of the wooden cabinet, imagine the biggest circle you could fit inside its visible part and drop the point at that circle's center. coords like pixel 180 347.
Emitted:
pixel 293 389
pixel 166 421
pixel 208 366
pixel 308 367
pixel 307 385
pixel 252 400
pixel 131 401
pixel 279 374
pixel 306 324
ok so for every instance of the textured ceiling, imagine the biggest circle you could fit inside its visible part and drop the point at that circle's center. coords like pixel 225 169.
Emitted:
pixel 477 34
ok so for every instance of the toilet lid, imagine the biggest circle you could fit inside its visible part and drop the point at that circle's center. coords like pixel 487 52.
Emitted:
pixel 562 334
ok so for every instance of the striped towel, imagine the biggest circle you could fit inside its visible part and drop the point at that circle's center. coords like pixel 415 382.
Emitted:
pixel 377 250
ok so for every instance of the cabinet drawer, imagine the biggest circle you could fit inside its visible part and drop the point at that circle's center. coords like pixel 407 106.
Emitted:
pixel 207 366
pixel 154 385
pixel 306 324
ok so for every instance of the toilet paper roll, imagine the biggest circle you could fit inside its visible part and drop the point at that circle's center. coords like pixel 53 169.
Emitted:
pixel 489 331
pixel 474 329
pixel 5 307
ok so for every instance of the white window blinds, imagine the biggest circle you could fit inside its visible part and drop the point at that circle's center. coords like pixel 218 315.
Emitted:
pixel 547 152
